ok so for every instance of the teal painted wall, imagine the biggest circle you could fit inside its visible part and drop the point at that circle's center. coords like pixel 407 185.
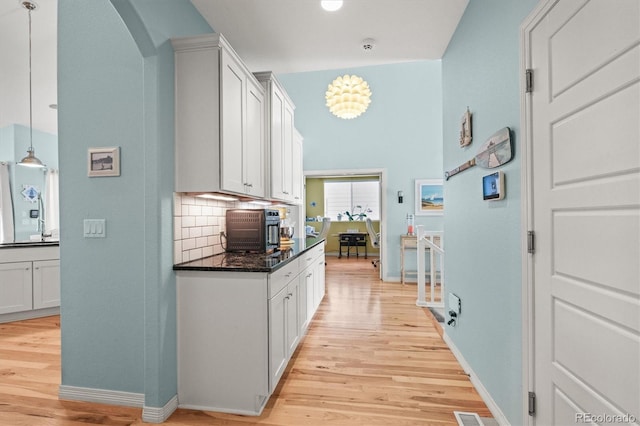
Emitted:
pixel 115 88
pixel 400 132
pixel 483 256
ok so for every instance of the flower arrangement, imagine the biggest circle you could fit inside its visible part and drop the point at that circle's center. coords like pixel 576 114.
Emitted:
pixel 357 213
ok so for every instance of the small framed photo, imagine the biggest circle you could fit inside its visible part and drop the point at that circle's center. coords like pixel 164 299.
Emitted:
pixel 104 162
pixel 465 129
pixel 429 197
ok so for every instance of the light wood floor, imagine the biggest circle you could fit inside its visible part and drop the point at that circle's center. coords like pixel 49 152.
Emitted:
pixel 371 357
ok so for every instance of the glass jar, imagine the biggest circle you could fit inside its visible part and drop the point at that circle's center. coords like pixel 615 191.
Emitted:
pixel 410 224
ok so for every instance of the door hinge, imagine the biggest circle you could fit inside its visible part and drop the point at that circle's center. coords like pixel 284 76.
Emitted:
pixel 531 242
pixel 532 403
pixel 529 80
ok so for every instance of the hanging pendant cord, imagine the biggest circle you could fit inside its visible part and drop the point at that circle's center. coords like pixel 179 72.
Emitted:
pixel 30 90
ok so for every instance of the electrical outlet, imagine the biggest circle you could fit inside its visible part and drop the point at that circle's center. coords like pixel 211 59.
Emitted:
pixel 455 304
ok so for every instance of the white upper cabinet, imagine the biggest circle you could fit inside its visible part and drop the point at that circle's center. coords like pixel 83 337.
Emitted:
pixel 220 130
pixel 297 175
pixel 280 135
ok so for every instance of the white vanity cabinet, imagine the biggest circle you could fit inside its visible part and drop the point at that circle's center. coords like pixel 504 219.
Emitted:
pixel 46 284
pixel 238 330
pixel 220 122
pixel 280 139
pixel 29 282
pixel 16 287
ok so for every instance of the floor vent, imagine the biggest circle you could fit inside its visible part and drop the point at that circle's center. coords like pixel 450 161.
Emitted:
pixel 468 419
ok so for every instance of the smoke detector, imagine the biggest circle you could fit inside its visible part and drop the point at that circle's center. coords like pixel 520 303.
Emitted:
pixel 368 44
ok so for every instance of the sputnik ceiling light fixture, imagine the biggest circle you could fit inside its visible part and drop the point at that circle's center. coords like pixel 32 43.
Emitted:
pixel 348 96
pixel 30 160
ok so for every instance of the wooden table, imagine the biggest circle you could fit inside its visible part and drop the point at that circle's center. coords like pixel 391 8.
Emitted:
pixel 353 239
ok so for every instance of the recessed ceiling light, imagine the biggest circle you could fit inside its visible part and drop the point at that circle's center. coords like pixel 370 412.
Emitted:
pixel 331 5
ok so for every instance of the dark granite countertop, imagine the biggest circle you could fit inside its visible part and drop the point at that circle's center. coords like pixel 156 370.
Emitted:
pixel 250 262
pixel 29 244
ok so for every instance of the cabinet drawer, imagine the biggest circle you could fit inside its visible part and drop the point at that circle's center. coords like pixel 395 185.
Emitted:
pixel 310 256
pixel 280 278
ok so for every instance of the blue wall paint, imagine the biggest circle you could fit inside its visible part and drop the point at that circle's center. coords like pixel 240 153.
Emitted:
pixel 401 132
pixel 118 294
pixel 481 70
pixel 100 86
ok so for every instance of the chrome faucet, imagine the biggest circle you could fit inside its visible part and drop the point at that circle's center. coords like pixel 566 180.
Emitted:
pixel 41 219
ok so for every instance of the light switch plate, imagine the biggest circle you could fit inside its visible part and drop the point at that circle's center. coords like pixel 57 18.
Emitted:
pixel 95 228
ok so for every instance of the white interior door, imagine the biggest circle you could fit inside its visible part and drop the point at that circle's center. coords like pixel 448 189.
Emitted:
pixel 585 170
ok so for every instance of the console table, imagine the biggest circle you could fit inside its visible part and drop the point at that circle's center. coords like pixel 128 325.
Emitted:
pixel 410 242
pixel 353 239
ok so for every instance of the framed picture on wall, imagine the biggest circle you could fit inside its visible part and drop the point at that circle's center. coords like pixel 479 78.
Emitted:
pixel 104 162
pixel 429 197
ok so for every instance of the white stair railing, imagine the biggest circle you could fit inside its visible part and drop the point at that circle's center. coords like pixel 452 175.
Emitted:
pixel 432 241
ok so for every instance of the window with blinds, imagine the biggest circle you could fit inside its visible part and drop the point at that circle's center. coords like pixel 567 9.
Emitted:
pixel 354 197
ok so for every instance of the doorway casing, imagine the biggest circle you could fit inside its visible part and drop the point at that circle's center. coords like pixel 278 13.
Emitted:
pixel 381 174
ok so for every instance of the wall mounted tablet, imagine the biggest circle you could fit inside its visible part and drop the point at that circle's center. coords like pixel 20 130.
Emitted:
pixel 493 186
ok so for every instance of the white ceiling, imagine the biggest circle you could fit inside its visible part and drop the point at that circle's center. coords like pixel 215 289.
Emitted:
pixel 286 36
pixel 282 36
pixel 14 65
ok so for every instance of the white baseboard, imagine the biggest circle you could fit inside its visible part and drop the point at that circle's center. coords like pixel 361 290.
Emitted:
pixel 160 414
pixel 21 316
pixel 128 399
pixel 484 394
pixel 101 396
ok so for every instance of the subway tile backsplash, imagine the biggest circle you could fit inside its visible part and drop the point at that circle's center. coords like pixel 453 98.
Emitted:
pixel 197 224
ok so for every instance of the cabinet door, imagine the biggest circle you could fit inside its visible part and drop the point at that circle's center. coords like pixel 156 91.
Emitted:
pixel 232 101
pixel 287 152
pixel 254 162
pixel 318 281
pixel 15 287
pixel 277 337
pixel 46 284
pixel 292 313
pixel 311 293
pixel 303 315
pixel 277 144
pixel 296 168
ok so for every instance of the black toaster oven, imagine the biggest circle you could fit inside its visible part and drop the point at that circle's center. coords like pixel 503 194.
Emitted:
pixel 253 230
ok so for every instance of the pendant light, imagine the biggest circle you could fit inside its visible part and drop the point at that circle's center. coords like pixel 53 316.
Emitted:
pixel 348 96
pixel 30 160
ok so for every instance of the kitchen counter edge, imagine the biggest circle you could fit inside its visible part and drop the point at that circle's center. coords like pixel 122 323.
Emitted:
pixel 255 262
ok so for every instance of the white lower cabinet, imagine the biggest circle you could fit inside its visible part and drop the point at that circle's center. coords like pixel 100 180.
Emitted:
pixel 29 282
pixel 238 330
pixel 16 287
pixel 46 284
pixel 318 282
pixel 284 329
